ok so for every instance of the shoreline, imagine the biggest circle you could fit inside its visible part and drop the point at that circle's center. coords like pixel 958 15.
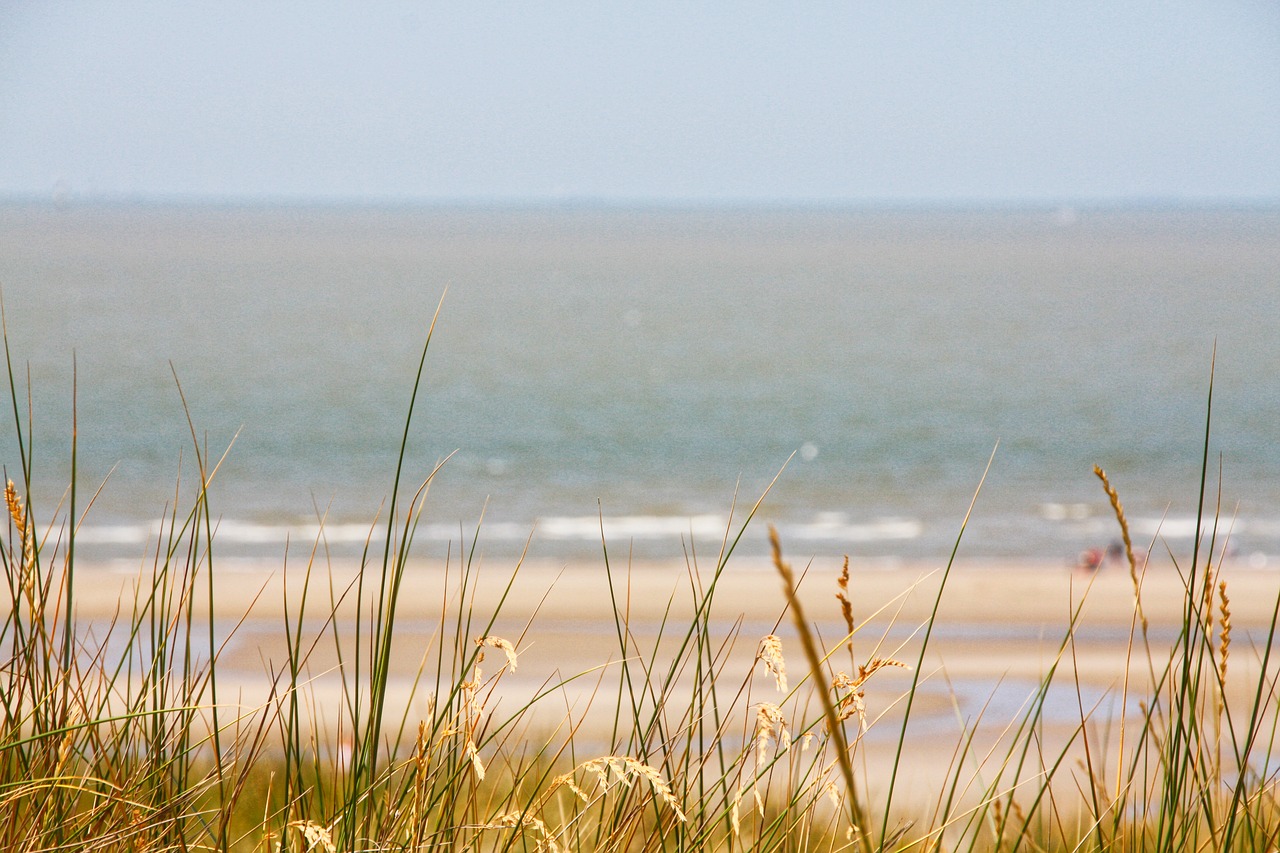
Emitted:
pixel 1042 590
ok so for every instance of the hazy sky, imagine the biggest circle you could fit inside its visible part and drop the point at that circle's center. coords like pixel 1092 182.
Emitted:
pixel 895 101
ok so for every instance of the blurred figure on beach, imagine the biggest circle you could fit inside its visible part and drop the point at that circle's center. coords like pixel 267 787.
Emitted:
pixel 1092 559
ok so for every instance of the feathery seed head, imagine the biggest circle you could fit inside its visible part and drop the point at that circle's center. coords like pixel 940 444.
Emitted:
pixel 846 606
pixel 499 643
pixel 317 836
pixel 770 654
pixel 770 725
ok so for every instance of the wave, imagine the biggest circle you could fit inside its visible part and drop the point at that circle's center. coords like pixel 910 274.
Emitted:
pixel 824 531
pixel 229 531
pixel 824 526
pixel 584 528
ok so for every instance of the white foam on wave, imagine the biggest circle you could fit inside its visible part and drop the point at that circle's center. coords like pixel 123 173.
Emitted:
pixel 1182 527
pixel 1065 511
pixel 832 526
pixel 837 526
pixel 1269 527
pixel 114 534
pixel 631 526
pixel 825 526
pixel 229 531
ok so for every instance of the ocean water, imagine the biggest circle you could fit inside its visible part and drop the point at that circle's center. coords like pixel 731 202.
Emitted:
pixel 652 368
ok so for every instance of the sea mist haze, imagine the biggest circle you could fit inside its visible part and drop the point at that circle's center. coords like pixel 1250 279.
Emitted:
pixel 648 365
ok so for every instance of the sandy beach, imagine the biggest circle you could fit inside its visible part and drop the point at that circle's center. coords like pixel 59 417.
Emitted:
pixel 1000 628
pixel 985 603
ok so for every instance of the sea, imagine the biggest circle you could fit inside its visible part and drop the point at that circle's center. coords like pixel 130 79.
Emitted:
pixel 639 379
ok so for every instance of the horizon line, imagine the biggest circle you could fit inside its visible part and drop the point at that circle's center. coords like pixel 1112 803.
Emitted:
pixel 607 203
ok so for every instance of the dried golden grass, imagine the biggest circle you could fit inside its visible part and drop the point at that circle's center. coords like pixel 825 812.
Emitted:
pixel 769 653
pixel 846 606
pixel 609 772
pixel 835 731
pixel 26 559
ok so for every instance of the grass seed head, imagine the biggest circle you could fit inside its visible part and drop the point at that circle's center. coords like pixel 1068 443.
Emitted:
pixel 14 503
pixel 524 820
pixel 1224 643
pixel 317 836
pixel 26 567
pixel 770 725
pixel 851 699
pixel 846 606
pixel 473 754
pixel 1118 509
pixel 770 654
pixel 735 813
pixel 499 643
pixel 865 672
pixel 625 771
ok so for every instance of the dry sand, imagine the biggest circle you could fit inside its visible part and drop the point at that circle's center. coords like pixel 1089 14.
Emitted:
pixel 984 605
pixel 1000 627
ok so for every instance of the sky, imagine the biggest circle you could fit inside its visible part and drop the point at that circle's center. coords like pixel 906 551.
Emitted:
pixel 854 102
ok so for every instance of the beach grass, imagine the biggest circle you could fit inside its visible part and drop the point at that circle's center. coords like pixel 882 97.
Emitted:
pixel 120 734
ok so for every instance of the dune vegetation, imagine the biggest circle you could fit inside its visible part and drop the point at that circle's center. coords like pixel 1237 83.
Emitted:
pixel 123 737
